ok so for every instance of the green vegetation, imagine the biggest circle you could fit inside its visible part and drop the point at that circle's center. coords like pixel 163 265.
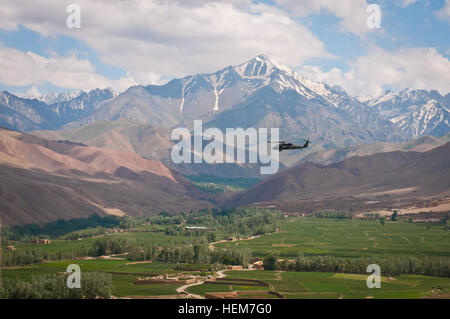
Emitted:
pixel 205 288
pixel 350 238
pixel 390 265
pixel 322 257
pixel 270 262
pixel 57 228
pixel 394 216
pixel 334 214
pixel 122 275
pixel 157 238
pixel 218 184
pixel 328 285
pixel 54 286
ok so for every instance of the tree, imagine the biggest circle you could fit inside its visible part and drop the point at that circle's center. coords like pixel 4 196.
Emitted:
pixel 394 216
pixel 211 237
pixel 382 220
pixel 269 262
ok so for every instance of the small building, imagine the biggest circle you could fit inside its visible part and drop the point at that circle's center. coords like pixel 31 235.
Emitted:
pixel 236 267
pixel 41 241
pixel 195 228
pixel 258 265
pixel 10 247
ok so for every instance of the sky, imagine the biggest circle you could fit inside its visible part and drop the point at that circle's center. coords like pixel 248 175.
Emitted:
pixel 129 42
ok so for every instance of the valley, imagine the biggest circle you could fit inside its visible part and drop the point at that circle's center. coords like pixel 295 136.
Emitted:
pixel 305 249
pixel 87 178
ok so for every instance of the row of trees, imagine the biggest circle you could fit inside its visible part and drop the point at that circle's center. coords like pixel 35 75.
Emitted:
pixel 93 285
pixel 85 233
pixel 245 222
pixel 191 254
pixel 334 214
pixel 389 265
pixel 166 252
pixel 57 228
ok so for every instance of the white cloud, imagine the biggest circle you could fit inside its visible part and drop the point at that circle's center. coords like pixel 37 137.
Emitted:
pixel 27 68
pixel 352 13
pixel 33 92
pixel 152 39
pixel 408 3
pixel 419 68
pixel 444 13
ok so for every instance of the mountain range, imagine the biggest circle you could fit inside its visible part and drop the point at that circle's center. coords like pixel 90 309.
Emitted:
pixel 258 93
pixel 415 112
pixel 72 154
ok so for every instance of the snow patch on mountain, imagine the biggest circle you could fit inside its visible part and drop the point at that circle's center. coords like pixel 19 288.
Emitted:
pixel 415 112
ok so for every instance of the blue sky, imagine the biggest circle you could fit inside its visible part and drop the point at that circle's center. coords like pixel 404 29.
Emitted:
pixel 151 42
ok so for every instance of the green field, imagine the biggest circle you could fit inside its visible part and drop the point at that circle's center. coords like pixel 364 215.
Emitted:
pixel 122 284
pixel 146 237
pixel 305 285
pixel 218 184
pixel 351 238
pixel 202 289
pixel 311 236
pixel 302 285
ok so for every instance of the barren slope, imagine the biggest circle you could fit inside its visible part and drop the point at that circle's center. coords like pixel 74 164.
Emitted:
pixel 41 180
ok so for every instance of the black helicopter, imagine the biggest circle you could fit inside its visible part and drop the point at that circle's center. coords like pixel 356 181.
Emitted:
pixel 283 145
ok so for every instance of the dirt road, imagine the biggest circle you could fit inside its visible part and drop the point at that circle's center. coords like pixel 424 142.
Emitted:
pixel 183 289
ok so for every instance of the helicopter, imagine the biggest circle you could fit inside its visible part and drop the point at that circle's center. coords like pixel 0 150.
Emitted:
pixel 283 145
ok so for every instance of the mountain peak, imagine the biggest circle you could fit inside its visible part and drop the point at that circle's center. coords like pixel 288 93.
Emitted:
pixel 261 66
pixel 265 58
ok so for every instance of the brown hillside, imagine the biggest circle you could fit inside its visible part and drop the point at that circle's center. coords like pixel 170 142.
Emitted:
pixel 41 180
pixel 425 173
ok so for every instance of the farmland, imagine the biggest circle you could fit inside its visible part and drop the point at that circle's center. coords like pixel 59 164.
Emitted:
pixel 123 284
pixel 164 244
pixel 351 238
pixel 306 285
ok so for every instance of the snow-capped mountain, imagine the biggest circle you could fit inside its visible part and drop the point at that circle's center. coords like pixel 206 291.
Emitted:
pixel 32 114
pixel 260 92
pixel 52 97
pixel 415 112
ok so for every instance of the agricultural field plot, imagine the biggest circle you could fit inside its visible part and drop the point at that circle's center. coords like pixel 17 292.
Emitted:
pixel 307 285
pixel 205 288
pixel 122 284
pixel 121 266
pixel 351 238
pixel 217 184
pixel 146 237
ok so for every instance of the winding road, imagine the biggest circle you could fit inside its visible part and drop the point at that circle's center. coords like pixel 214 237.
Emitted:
pixel 183 289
